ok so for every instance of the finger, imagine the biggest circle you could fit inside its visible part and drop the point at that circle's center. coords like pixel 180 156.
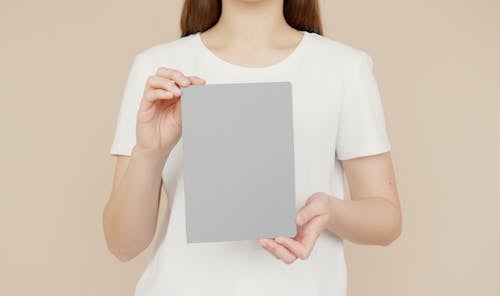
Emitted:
pixel 174 75
pixel 314 196
pixel 296 247
pixel 278 251
pixel 266 244
pixel 196 80
pixel 151 96
pixel 163 83
pixel 307 212
pixel 158 94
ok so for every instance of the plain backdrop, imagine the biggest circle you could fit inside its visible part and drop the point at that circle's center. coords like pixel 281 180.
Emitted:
pixel 63 67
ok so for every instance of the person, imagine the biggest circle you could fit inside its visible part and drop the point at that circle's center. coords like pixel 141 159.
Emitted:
pixel 339 131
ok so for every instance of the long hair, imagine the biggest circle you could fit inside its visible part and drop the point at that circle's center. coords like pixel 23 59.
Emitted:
pixel 201 15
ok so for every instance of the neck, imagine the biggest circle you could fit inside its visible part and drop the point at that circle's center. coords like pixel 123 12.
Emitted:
pixel 257 22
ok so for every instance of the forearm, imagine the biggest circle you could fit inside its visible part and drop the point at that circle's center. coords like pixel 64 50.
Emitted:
pixel 130 216
pixel 374 221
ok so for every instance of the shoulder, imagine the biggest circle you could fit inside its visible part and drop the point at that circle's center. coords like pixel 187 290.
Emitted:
pixel 330 50
pixel 161 53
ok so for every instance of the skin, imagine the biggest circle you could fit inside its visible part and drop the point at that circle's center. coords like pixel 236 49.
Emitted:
pixel 246 34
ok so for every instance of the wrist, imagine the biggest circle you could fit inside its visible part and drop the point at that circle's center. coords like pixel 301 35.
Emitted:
pixel 334 205
pixel 150 156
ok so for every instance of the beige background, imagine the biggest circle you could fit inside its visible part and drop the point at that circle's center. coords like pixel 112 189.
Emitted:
pixel 63 69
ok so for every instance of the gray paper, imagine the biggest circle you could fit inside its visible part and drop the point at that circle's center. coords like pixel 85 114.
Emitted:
pixel 238 154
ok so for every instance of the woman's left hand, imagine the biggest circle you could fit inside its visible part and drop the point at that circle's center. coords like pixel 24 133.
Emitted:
pixel 311 219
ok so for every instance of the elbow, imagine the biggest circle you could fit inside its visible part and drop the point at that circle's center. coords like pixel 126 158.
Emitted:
pixel 122 256
pixel 117 245
pixel 393 232
pixel 120 251
pixel 391 237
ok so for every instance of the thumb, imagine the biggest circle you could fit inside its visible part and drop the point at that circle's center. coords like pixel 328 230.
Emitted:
pixel 307 212
pixel 196 80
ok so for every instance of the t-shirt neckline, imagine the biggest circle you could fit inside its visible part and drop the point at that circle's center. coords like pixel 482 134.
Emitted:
pixel 221 62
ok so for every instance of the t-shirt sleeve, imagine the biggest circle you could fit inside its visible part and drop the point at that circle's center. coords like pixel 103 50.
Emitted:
pixel 124 137
pixel 361 128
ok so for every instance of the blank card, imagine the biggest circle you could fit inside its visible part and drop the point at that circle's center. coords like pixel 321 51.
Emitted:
pixel 238 150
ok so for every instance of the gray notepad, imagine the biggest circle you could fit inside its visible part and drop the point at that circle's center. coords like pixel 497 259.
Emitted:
pixel 239 177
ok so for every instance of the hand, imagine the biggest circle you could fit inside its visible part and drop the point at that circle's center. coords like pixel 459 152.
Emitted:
pixel 311 219
pixel 159 118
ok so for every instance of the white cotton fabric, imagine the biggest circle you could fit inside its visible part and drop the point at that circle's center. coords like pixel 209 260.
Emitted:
pixel 338 115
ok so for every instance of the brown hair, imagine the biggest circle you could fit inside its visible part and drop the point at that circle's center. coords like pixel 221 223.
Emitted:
pixel 200 15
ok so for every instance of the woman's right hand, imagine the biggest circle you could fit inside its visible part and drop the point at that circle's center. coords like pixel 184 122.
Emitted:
pixel 159 121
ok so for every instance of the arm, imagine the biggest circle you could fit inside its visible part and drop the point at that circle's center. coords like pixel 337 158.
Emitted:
pixel 373 214
pixel 130 215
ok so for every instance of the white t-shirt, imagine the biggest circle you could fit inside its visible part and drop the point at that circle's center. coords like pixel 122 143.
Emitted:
pixel 338 115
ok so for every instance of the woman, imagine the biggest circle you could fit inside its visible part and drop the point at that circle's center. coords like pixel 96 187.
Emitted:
pixel 340 129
